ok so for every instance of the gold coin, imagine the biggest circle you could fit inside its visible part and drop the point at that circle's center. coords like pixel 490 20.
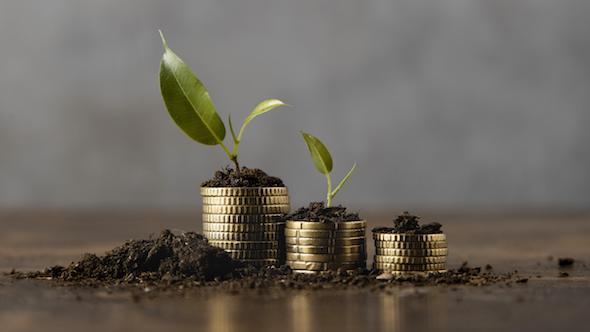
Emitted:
pixel 409 267
pixel 305 271
pixel 324 258
pixel 326 249
pixel 411 252
pixel 319 266
pixel 410 245
pixel 245 245
pixel 233 236
pixel 410 260
pixel 419 273
pixel 246 209
pixel 313 241
pixel 244 191
pixel 241 218
pixel 325 226
pixel 409 237
pixel 324 233
pixel 253 254
pixel 245 200
pixel 244 228
pixel 260 262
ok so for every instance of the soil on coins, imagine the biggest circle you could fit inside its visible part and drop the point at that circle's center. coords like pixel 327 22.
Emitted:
pixel 248 177
pixel 410 224
pixel 317 211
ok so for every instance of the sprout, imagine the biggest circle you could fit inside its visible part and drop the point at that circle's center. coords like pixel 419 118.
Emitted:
pixel 191 107
pixel 323 162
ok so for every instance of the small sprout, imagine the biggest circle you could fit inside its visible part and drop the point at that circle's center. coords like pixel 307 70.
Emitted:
pixel 323 162
pixel 191 107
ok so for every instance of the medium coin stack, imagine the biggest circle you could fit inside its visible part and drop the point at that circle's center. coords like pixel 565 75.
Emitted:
pixel 243 221
pixel 409 253
pixel 313 246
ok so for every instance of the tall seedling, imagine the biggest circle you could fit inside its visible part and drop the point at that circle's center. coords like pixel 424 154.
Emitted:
pixel 323 163
pixel 191 107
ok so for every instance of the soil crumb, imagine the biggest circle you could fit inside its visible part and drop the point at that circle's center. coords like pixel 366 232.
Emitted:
pixel 248 177
pixel 410 224
pixel 565 262
pixel 167 257
pixel 317 211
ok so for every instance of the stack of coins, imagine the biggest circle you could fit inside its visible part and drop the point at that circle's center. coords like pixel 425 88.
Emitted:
pixel 243 221
pixel 315 246
pixel 410 253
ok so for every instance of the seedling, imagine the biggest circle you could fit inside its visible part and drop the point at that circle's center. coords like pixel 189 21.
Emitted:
pixel 191 107
pixel 323 162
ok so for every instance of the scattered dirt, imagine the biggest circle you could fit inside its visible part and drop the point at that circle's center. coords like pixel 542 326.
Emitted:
pixel 273 279
pixel 249 177
pixel 565 262
pixel 317 211
pixel 407 223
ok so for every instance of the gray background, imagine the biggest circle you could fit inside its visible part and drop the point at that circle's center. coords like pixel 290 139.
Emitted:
pixel 443 103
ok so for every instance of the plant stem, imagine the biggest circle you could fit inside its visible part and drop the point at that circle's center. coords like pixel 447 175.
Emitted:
pixel 232 156
pixel 235 160
pixel 329 195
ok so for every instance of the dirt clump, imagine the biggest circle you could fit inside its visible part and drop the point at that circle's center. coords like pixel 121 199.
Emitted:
pixel 248 177
pixel 410 224
pixel 317 211
pixel 565 262
pixel 167 257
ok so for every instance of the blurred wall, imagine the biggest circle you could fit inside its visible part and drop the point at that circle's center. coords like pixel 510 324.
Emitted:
pixel 446 103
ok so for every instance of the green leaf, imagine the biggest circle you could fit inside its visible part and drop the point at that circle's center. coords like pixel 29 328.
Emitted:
pixel 187 100
pixel 344 179
pixel 261 108
pixel 319 153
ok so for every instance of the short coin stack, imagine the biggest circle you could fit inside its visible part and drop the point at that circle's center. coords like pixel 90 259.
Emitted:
pixel 320 246
pixel 243 221
pixel 407 253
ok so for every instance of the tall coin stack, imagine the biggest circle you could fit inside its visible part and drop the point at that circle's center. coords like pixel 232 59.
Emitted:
pixel 243 221
pixel 313 246
pixel 403 253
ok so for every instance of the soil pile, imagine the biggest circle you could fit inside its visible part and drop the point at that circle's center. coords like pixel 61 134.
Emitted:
pixel 407 223
pixel 248 177
pixel 317 211
pixel 167 257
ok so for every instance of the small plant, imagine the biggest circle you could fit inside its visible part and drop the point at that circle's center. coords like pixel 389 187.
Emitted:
pixel 191 107
pixel 323 162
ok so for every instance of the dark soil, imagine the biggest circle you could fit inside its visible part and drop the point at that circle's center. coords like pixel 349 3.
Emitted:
pixel 565 262
pixel 316 211
pixel 162 258
pixel 248 177
pixel 282 278
pixel 409 224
